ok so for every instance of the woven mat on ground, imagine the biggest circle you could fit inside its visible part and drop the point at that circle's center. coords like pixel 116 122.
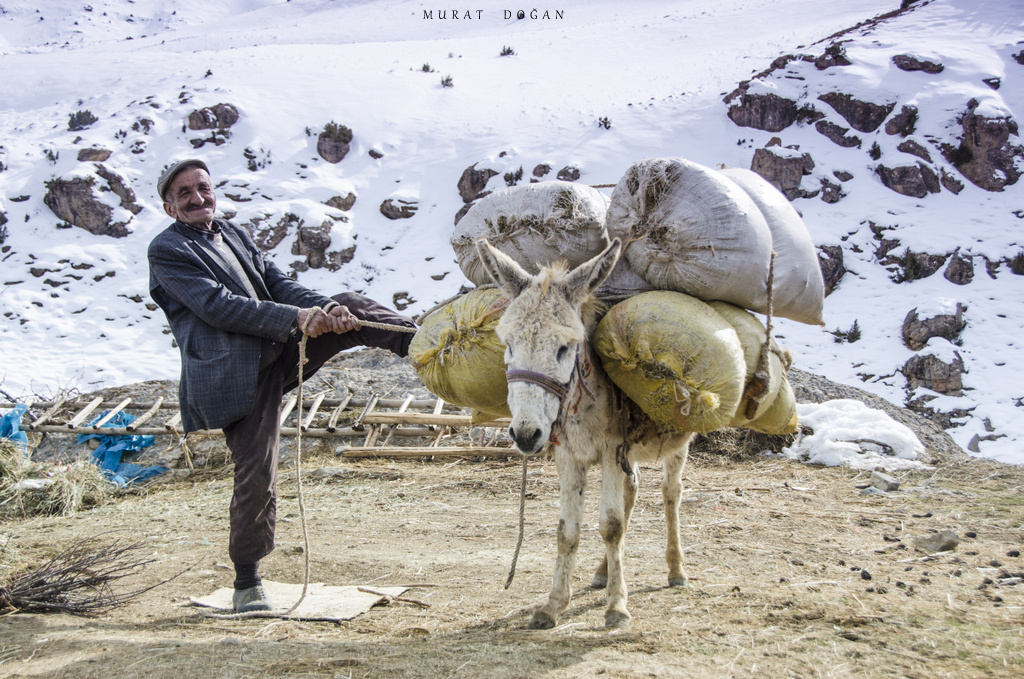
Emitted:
pixel 322 602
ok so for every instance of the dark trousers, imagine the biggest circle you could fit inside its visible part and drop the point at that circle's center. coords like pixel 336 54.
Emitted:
pixel 255 439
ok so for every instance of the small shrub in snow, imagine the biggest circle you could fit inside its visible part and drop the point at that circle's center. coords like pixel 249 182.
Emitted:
pixel 513 178
pixel 875 152
pixel 79 120
pixel 604 122
pixel 851 335
pixel 447 81
pixel 507 51
pixel 342 133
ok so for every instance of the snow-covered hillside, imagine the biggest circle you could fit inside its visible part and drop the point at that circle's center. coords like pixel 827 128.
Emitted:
pixel 523 93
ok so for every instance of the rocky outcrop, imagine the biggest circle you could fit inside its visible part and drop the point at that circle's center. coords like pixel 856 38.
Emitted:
pixel 834 55
pixel 830 259
pixel 541 170
pixel 959 270
pixel 117 184
pixel 768 112
pixel 910 180
pixel 473 182
pixel 989 152
pixel 218 119
pixel 917 331
pixel 837 133
pixel 569 173
pixel 312 242
pixel 396 208
pixel 784 168
pixel 831 193
pixel 268 237
pixel 343 203
pixel 93 155
pixel 74 202
pixel 863 116
pixel 931 372
pixel 913 266
pixel 908 62
pixel 903 123
pixel 334 142
pixel 915 149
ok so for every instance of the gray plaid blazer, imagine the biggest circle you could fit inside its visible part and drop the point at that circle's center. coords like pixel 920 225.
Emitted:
pixel 217 325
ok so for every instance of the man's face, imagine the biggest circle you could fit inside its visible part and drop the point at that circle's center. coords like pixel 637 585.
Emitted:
pixel 190 198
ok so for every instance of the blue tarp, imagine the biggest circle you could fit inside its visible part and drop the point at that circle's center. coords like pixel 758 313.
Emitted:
pixel 10 426
pixel 112 447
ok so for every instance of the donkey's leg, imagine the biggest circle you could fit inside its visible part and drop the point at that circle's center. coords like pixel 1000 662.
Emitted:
pixel 671 490
pixel 572 481
pixel 615 489
pixel 600 580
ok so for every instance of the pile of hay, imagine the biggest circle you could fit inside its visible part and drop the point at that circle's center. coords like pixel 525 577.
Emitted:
pixel 31 489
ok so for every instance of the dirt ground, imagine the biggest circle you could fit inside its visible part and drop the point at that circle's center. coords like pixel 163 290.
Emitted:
pixel 794 572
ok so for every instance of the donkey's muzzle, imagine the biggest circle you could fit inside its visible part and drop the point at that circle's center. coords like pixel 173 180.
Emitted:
pixel 528 439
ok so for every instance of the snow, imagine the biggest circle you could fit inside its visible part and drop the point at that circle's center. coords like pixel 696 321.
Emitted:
pixel 657 69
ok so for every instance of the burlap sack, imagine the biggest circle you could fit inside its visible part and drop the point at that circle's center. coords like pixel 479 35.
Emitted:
pixel 799 290
pixel 689 229
pixel 780 418
pixel 751 333
pixel 459 357
pixel 534 224
pixel 677 358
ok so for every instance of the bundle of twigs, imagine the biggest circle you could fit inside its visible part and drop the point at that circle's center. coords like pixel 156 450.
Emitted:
pixel 78 580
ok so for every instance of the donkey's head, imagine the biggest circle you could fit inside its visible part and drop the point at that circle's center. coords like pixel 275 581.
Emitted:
pixel 542 330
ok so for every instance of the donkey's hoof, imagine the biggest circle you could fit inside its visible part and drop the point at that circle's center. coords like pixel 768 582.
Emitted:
pixel 616 620
pixel 678 582
pixel 541 620
pixel 600 581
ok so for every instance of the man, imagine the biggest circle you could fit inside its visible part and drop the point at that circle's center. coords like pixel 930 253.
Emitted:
pixel 237 319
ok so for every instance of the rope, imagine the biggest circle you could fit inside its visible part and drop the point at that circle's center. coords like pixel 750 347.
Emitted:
pixel 758 387
pixel 522 526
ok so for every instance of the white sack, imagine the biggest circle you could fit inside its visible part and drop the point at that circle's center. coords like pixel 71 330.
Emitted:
pixel 691 230
pixel 799 290
pixel 535 224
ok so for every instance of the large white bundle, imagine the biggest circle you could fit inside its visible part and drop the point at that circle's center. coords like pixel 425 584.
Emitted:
pixel 691 230
pixel 534 224
pixel 799 290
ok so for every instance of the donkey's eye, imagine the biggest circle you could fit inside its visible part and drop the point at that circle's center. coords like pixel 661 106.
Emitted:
pixel 563 351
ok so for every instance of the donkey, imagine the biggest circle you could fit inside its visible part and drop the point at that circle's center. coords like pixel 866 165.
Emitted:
pixel 558 392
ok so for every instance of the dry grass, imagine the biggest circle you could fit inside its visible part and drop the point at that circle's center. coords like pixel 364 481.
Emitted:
pixel 29 489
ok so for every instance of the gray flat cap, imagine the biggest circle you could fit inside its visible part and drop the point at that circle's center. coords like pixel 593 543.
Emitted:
pixel 172 171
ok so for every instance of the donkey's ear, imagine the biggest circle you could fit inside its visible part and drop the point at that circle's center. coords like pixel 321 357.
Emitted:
pixel 587 277
pixel 503 270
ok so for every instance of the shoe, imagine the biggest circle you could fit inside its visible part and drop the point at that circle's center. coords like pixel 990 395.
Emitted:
pixel 251 599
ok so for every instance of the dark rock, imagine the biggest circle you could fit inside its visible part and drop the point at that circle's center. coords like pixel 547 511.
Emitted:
pixel 842 175
pixel 93 155
pixel 994 83
pixel 312 242
pixel 951 183
pixel 831 193
pixel 830 258
pixel 835 55
pixel 906 62
pixel 269 237
pixel 332 149
pixel 74 202
pixel 917 331
pixel 863 116
pixel 569 174
pixel 987 155
pixel 402 301
pixel 1019 57
pixel 343 203
pixel 915 265
pixel 768 112
pixel 541 170
pixel 396 208
pixel 376 154
pixel 784 169
pixel 946 541
pixel 473 182
pixel 930 372
pixel 910 180
pixel 117 184
pixel 218 117
pixel 903 123
pixel 837 134
pixel 959 270
pixel 913 148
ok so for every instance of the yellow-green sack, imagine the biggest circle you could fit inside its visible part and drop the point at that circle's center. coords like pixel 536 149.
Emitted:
pixel 676 357
pixel 780 418
pixel 751 333
pixel 458 355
